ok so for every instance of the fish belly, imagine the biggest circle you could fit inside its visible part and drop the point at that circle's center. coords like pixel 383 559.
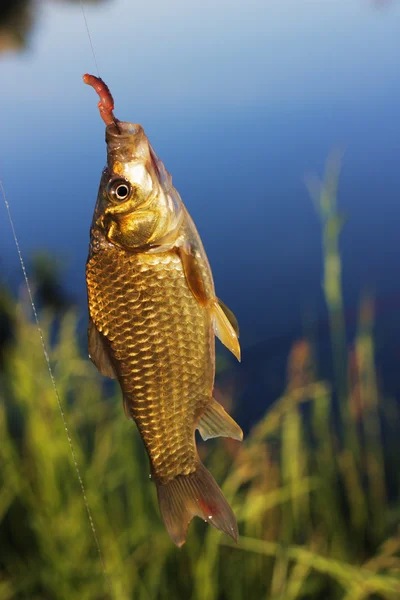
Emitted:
pixel 162 346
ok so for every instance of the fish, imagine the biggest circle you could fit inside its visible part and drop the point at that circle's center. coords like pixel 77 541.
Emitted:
pixel 153 318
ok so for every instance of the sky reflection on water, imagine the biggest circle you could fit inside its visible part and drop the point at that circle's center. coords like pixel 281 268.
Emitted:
pixel 240 100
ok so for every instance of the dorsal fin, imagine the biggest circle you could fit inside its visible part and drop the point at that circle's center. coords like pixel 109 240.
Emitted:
pixel 98 351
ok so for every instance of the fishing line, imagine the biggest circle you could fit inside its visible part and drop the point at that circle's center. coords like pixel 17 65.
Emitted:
pixel 90 38
pixel 53 381
pixel 144 590
pixel 46 353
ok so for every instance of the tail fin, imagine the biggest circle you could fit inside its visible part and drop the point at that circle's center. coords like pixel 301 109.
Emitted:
pixel 196 494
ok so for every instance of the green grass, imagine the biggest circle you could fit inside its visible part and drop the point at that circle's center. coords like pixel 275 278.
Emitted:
pixel 308 484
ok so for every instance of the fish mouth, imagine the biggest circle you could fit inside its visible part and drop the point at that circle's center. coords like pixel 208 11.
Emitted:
pixel 122 129
pixel 125 142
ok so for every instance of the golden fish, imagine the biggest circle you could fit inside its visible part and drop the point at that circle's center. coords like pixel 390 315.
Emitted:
pixel 153 316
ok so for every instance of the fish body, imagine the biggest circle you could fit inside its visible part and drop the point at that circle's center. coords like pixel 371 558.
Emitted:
pixel 161 343
pixel 153 317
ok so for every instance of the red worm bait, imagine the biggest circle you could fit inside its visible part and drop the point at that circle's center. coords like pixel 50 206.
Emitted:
pixel 106 104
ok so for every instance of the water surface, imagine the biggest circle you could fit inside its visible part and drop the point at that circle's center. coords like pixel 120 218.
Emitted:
pixel 240 100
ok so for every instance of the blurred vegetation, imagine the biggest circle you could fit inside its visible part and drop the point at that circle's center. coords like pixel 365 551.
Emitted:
pixel 17 18
pixel 315 485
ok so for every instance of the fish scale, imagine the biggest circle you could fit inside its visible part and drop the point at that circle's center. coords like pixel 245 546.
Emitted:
pixel 161 341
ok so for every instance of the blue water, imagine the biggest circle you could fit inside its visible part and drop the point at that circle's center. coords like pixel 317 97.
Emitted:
pixel 241 100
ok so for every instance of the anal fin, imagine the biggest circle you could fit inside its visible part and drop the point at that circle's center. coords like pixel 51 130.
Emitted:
pixel 196 494
pixel 215 422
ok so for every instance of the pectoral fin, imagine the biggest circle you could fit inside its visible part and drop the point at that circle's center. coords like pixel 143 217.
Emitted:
pixel 225 323
pixel 193 274
pixel 215 422
pixel 98 352
pixel 225 326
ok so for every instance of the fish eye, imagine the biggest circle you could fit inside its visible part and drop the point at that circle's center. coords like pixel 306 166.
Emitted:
pixel 119 190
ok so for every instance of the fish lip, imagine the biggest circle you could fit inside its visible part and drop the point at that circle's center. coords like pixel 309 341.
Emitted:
pixel 122 129
pixel 125 141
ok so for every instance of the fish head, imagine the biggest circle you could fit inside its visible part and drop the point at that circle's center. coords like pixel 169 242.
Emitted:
pixel 137 206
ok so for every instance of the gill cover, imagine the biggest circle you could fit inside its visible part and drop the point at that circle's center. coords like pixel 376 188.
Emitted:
pixel 138 207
